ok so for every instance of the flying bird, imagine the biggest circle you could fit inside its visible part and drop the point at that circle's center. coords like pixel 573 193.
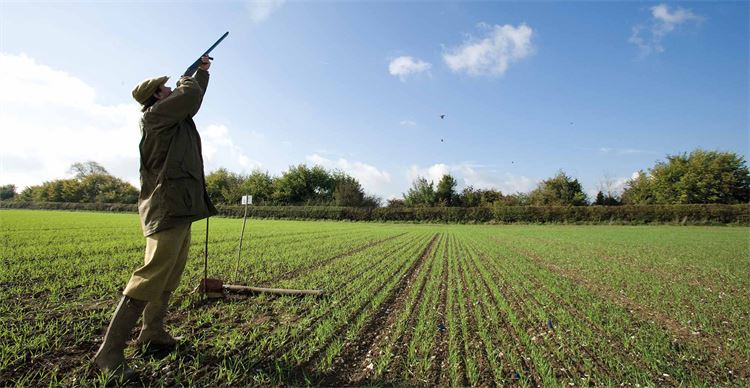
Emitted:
pixel 442 116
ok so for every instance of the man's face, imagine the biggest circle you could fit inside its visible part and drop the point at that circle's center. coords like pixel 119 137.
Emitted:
pixel 163 92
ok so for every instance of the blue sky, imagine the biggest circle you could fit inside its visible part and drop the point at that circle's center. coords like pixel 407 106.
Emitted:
pixel 598 89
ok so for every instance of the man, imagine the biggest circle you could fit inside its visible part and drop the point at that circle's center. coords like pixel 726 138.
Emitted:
pixel 173 195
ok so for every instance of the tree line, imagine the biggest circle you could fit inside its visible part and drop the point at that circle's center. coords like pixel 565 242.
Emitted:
pixel 91 184
pixel 699 177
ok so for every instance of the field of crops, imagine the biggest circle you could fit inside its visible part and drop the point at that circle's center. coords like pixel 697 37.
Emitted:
pixel 412 304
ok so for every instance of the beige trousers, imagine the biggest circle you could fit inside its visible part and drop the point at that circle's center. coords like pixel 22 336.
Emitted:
pixel 164 261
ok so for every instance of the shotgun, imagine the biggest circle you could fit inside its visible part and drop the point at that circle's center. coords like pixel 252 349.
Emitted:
pixel 191 70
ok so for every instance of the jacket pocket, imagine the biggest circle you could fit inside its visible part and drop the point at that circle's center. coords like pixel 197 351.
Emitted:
pixel 183 197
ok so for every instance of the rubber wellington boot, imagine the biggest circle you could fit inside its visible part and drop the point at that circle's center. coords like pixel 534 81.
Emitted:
pixel 110 357
pixel 152 332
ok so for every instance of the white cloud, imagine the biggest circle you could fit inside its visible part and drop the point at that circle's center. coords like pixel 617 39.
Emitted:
pixel 407 123
pixel 468 174
pixel 514 184
pixel 680 15
pixel 260 10
pixel 404 66
pixel 649 39
pixel 492 54
pixel 219 150
pixel 370 177
pixel 51 119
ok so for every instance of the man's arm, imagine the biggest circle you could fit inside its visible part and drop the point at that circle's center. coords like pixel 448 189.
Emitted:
pixel 186 99
pixel 184 102
pixel 202 75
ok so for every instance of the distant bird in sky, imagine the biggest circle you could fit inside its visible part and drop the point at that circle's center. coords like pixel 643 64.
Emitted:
pixel 442 116
pixel 571 123
pixel 441 140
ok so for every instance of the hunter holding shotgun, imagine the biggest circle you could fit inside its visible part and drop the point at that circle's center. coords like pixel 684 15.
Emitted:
pixel 173 195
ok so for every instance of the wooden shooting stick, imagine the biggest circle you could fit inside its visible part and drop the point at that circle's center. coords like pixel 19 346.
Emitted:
pixel 215 288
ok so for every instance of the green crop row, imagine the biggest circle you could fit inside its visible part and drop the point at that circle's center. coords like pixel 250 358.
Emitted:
pixel 405 304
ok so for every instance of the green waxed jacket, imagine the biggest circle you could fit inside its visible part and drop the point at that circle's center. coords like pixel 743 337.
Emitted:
pixel 173 188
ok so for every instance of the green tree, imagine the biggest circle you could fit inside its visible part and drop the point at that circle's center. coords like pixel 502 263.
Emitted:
pixel 92 184
pixel 371 201
pixel 395 203
pixel 322 185
pixel 599 199
pixel 303 185
pixel 348 191
pixel 421 193
pixel 101 188
pixel 560 190
pixel 259 184
pixel 7 192
pixel 469 197
pixel 699 177
pixel 224 187
pixel 490 196
pixel 517 199
pixel 445 193
pixel 639 190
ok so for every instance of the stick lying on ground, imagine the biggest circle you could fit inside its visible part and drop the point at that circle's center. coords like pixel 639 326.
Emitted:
pixel 215 288
pixel 278 291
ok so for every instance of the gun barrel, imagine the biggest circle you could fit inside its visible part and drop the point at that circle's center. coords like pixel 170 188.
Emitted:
pixel 190 70
pixel 217 43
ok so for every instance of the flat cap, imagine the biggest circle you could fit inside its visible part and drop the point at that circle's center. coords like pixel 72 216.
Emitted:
pixel 147 88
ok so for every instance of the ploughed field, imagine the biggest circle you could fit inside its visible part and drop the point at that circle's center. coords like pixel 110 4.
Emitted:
pixel 407 304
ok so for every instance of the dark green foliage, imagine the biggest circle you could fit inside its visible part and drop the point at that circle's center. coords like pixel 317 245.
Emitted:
pixel 300 185
pixel 639 190
pixel 599 198
pixel 445 193
pixel 628 214
pixel 303 185
pixel 517 199
pixel 421 193
pixel 223 186
pixel 700 177
pixel 106 189
pixel 560 190
pixel 92 184
pixel 608 200
pixel 7 192
pixel 348 192
pixel 395 203
pixel 259 184
pixel 470 197
pixel 371 201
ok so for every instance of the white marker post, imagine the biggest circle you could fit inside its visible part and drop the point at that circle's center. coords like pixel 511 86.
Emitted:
pixel 246 200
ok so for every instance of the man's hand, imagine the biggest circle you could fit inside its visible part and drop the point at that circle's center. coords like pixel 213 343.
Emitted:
pixel 205 62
